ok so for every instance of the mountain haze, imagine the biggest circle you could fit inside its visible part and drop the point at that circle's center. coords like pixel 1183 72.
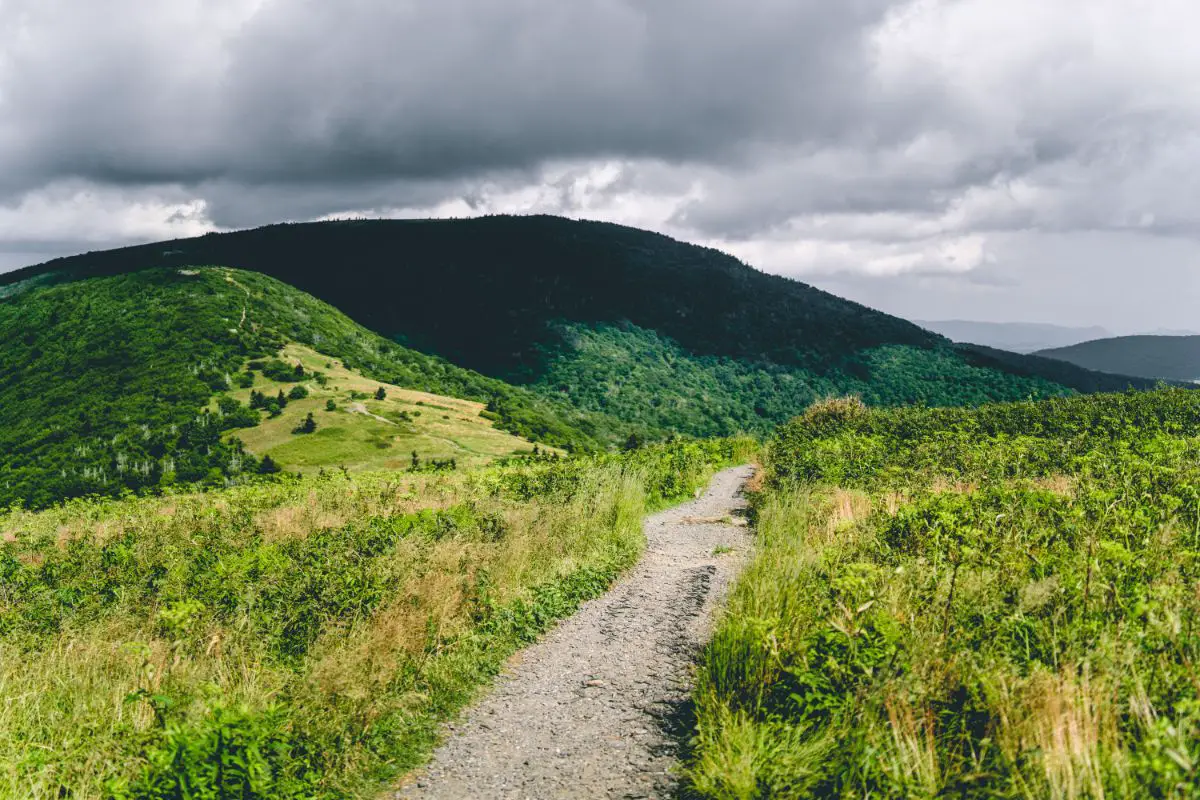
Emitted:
pixel 1018 337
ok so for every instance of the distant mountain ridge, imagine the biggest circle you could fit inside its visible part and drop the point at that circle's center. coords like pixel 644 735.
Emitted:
pixel 1017 337
pixel 1166 357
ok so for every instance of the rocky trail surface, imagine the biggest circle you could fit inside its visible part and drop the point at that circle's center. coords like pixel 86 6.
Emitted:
pixel 592 709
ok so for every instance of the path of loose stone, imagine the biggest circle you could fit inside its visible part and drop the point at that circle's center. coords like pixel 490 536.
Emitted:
pixel 586 711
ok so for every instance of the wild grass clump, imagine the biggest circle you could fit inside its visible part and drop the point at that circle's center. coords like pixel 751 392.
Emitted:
pixel 1008 615
pixel 300 639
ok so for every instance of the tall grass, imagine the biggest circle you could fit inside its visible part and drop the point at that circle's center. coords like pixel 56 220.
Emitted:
pixel 974 623
pixel 303 639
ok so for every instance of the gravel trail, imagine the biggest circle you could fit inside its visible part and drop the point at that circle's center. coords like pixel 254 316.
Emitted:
pixel 585 712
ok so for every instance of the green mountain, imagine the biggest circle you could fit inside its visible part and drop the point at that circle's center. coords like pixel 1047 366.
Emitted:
pixel 1167 357
pixel 108 381
pixel 574 334
pixel 505 296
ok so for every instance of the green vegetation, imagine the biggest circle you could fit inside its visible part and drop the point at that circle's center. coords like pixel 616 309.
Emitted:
pixel 642 378
pixel 1170 357
pixel 296 638
pixel 360 432
pixel 990 603
pixel 562 306
pixel 106 380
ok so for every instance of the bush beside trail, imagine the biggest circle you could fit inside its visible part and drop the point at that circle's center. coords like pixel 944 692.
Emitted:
pixel 990 603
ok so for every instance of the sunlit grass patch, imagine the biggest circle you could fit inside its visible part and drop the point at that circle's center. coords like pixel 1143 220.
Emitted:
pixel 977 614
pixel 296 639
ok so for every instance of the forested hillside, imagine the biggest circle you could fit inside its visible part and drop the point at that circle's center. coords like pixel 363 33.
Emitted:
pixel 1167 357
pixel 705 344
pixel 106 380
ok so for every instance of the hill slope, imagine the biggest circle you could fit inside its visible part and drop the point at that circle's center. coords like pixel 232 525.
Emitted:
pixel 1167 357
pixel 106 380
pixel 663 335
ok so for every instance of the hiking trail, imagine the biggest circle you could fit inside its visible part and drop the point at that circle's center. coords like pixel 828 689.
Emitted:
pixel 590 709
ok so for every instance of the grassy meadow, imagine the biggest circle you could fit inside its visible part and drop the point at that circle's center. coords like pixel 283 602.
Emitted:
pixel 364 433
pixel 989 603
pixel 297 638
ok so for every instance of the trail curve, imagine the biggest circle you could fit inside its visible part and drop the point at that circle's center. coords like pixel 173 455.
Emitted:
pixel 587 711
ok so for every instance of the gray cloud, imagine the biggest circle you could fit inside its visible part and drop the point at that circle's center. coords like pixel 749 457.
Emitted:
pixel 305 91
pixel 906 147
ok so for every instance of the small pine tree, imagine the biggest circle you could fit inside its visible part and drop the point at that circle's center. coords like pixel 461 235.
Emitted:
pixel 416 462
pixel 330 405
pixel 633 442
pixel 257 399
pixel 281 399
pixel 308 426
pixel 381 393
pixel 297 392
pixel 298 371
pixel 267 466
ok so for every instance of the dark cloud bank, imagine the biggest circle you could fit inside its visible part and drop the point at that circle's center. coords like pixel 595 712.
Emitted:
pixel 933 157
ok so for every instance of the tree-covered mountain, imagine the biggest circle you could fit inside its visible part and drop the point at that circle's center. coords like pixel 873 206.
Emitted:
pixel 1166 357
pixel 660 335
pixel 107 381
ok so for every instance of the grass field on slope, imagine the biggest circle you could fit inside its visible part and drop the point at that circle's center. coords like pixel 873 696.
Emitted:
pixel 998 603
pixel 365 433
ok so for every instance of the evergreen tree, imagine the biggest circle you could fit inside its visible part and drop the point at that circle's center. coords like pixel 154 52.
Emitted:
pixel 281 399
pixel 381 393
pixel 267 466
pixel 228 405
pixel 330 405
pixel 308 426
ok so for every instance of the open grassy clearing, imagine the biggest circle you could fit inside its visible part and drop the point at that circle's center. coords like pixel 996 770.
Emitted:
pixel 363 433
pixel 302 638
pixel 998 603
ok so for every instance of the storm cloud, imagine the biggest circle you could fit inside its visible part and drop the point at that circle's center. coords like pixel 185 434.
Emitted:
pixel 919 155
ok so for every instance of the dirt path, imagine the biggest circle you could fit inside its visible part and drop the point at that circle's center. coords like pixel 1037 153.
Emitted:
pixel 586 711
pixel 359 408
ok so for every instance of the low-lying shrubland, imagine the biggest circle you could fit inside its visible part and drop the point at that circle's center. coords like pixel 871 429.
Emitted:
pixel 990 603
pixel 301 638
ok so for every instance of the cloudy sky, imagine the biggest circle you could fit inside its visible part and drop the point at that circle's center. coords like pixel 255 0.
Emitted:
pixel 981 159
